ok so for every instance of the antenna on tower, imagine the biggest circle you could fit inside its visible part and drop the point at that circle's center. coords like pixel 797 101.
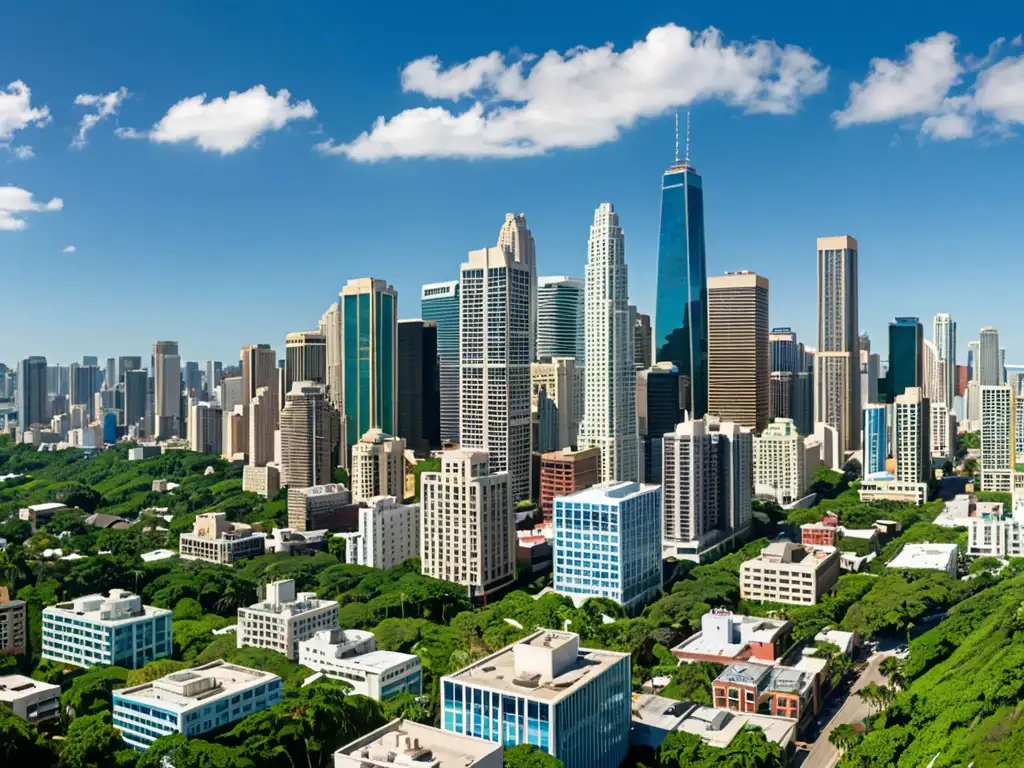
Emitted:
pixel 687 161
pixel 677 136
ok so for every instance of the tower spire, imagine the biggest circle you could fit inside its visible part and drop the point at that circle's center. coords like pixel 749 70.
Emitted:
pixel 687 160
pixel 677 136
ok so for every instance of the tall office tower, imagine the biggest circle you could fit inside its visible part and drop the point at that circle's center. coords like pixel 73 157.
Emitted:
pixel 784 462
pixel 780 395
pixel 870 367
pixel 90 360
pixel 875 438
pixel 52 380
pixel 495 363
pixel 259 369
pixel 657 413
pixel 263 423
pixel 681 311
pixel 85 382
pixel 305 440
pixel 707 479
pixel 193 380
pixel 369 356
pixel 1002 365
pixel 378 466
pixel 837 359
pixel 110 373
pixel 906 357
pixel 305 358
pixel 785 350
pixel 205 428
pixel 943 431
pixel 556 403
pixel 643 342
pixel 998 438
pixel 419 386
pixel 31 394
pixel 933 372
pixel 213 371
pixel 739 357
pixel 330 328
pixel 128 363
pixel 166 390
pixel 439 304
pixel 1018 429
pixel 135 386
pixel 961 380
pixel 231 393
pixel 944 336
pixel 609 416
pixel 973 367
pixel 516 238
pixel 864 342
pixel 913 437
pixel 988 361
pixel 466 521
pixel 560 323
pixel 972 406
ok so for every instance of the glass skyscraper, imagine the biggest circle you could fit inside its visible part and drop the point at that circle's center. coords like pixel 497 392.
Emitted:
pixel 680 322
pixel 906 355
pixel 560 326
pixel 440 304
pixel 876 438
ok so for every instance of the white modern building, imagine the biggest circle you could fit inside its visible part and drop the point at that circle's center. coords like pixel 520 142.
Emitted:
pixel 388 535
pixel 784 463
pixel 29 699
pixel 943 431
pixel 284 619
pixel 913 437
pixel 378 466
pixel 609 414
pixel 379 675
pixel 403 743
pixel 930 557
pixel 785 572
pixel 516 238
pixel 884 487
pixel 216 540
pixel 998 441
pixel 944 333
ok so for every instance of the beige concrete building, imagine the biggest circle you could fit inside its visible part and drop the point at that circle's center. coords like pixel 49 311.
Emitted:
pixel 305 358
pixel 263 423
pixel 790 573
pixel 407 743
pixel 30 699
pixel 913 437
pixel 330 328
pixel 784 462
pixel 739 357
pixel 166 390
pixel 305 437
pixel 205 428
pixel 378 466
pixel 236 434
pixel 266 481
pixel 556 403
pixel 216 540
pixel 284 619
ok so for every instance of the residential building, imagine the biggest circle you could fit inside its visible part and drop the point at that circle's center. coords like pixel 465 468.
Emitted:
pixel 727 637
pixel 284 619
pixel 609 417
pixel 643 341
pixel 330 327
pixel 565 472
pixel 320 506
pixel 192 702
pixel 215 540
pixel 379 675
pixel 988 362
pixel 305 437
pixel 466 523
pixel 784 463
pixel 913 437
pixel 117 630
pixel 571 702
pixel 556 403
pixel 13 625
pixel 213 371
pixel 388 535
pixel 738 349
pixel 560 318
pixel 166 390
pixel 205 428
pixel 884 487
pixel 419 393
pixel 658 393
pixel 943 431
pixel 31 393
pixel 405 742
pixel 930 557
pixel 789 573
pixel 494 396
pixel 828 438
pixel 998 438
pixel 378 466
pixel 944 335
pixel 992 533
pixel 875 439
pixel 781 691
pixel 264 415
pixel 608 544
pixel 305 358
pixel 837 360
pixel 906 357
pixel 29 699
pixel 265 481
pixel 440 305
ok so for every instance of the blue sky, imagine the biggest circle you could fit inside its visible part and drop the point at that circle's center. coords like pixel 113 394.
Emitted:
pixel 223 225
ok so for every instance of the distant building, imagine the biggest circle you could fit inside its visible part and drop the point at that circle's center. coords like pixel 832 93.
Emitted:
pixel 321 506
pixel 215 540
pixel 13 625
pixel 789 573
pixel 166 389
pixel 285 618
pixel 658 393
pixel 30 699
pixel 265 481
pixel 144 452
pixel 566 472
pixel 913 437
pixel 389 534
pixel 378 466
pixel 205 429
pixel 884 487
pixel 560 319
pixel 726 637
pixel 643 342
pixel 305 358
pixel 305 437
pixel 557 402
pixel 998 443
pixel 876 439
pixel 440 305
pixel 406 743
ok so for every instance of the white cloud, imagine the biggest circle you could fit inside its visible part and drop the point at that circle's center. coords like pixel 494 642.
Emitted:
pixel 225 125
pixel 584 97
pixel 17 112
pixel 21 152
pixel 104 105
pixel 15 202
pixel 1000 90
pixel 69 249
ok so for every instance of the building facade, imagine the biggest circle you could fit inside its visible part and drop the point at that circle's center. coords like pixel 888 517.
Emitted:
pixel 419 386
pixel 378 466
pixel 556 403
pixel 566 472
pixel 318 507
pixel 789 573
pixel 998 438
pixel 215 540
pixel 875 439
pixel 389 534
pixel 913 437
pixel 439 304
pixel 284 619
pixel 784 463
pixel 560 318
pixel 988 362
pixel 13 625
pixel 205 428
pixel 515 238
pixel 658 393
pixel 305 358
pixel 305 437
pixel 166 390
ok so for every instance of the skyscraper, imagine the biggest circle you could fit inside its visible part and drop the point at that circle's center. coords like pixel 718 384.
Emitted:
pixel 305 442
pixel 516 238
pixel 419 404
pixel 643 342
pixel 85 382
pixel 738 352
pixel 989 363
pixel 913 437
pixel 193 380
pixel 680 323
pixel 110 373
pixel 944 336
pixel 205 430
pixel 785 351
pixel 657 413
pixel 609 414
pixel 560 323
pixel 330 327
pixel 212 373
pixel 305 358
pixel 998 438
pixel 906 356
pixel 378 466
pixel 556 403
pixel 128 363
pixel 494 347
pixel 31 393
pixel 259 369
pixel 876 439
pixel 439 303
pixel 166 390
pixel 837 360
pixel 369 356
pixel 263 423
pixel 136 382
pixel 973 367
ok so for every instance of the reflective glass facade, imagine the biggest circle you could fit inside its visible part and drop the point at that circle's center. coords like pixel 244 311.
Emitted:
pixel 87 643
pixel 440 304
pixel 875 439
pixel 680 322
pixel 368 361
pixel 906 354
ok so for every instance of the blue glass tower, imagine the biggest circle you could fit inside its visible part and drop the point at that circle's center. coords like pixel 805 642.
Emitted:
pixel 876 436
pixel 440 303
pixel 681 314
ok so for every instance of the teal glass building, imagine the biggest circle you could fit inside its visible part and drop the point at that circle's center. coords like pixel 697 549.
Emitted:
pixel 906 356
pixel 369 356
pixel 439 302
pixel 681 313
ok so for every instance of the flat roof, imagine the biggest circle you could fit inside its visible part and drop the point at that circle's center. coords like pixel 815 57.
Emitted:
pixel 659 712
pixel 172 691
pixel 377 661
pixel 77 608
pixel 403 742
pixel 752 629
pixel 718 727
pixel 933 557
pixel 15 687
pixel 610 492
pixel 291 608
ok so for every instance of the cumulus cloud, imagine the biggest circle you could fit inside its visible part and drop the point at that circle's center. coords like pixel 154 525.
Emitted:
pixel 583 97
pixel 16 202
pixel 69 249
pixel 17 112
pixel 225 125
pixel 23 152
pixel 103 105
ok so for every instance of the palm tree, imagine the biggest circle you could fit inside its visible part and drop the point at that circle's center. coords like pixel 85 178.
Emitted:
pixel 892 668
pixel 844 737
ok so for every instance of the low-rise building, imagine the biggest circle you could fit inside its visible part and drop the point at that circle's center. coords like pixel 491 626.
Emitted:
pixel 192 702
pixel 406 744
pixel 824 533
pixel 929 557
pixel 30 699
pixel 992 535
pixel 780 691
pixel 964 507
pixel 789 573
pixel 883 487
pixel 291 542
pixel 117 630
pixel 321 507
pixel 328 645
pixel 388 535
pixel 846 642
pixel 216 540
pixel 13 625
pixel 566 472
pixel 148 451
pixel 380 675
pixel 40 514
pixel 284 619
pixel 726 637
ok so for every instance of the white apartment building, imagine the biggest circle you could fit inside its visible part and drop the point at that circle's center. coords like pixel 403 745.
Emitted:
pixel 995 536
pixel 998 441
pixel 943 431
pixel 407 743
pixel 467 525
pixel 378 466
pixel 30 699
pixel 790 573
pixel 351 656
pixel 944 333
pixel 927 557
pixel 609 414
pixel 913 439
pixel 884 487
pixel 216 540
pixel 784 463
pixel 284 619
pixel 388 535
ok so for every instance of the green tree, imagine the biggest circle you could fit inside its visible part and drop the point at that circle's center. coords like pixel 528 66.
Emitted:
pixel 92 691
pixel 154 671
pixel 181 752
pixel 529 756
pixel 20 743
pixel 91 742
pixel 427 465
pixel 845 737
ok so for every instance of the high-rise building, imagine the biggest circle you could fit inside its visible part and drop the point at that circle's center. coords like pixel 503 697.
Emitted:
pixel 439 304
pixel 128 363
pixel 90 360
pixel 263 423
pixel 875 439
pixel 369 356
pixel 193 380
pixel 135 385
pixel 85 383
pixel 305 440
pixel 205 428
pixel 973 366
pixel 516 238
pixel 259 369
pixel 837 359
pixel 906 357
pixel 680 322
pixel 556 403
pixel 609 416
pixel 378 466
pixel 998 438
pixel 643 342
pixel 785 351
pixel 738 352
pixel 305 358
pixel 110 373
pixel 944 336
pixel 990 365
pixel 943 431
pixel 560 318
pixel 870 368
pixel 466 523
pixel 495 363
pixel 913 437
pixel 166 390
pixel 784 461
pixel 657 413
pixel 212 374
pixel 419 386
pixel 31 393
pixel 330 328
pixel 388 535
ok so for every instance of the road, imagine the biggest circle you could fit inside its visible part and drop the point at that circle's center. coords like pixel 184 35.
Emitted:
pixel 852 710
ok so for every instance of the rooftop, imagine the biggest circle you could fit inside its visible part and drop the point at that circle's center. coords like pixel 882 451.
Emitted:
pixel 610 492
pixel 728 634
pixel 378 661
pixel 120 606
pixel 405 743
pixel 933 557
pixel 14 687
pixel 660 712
pixel 181 691
pixel 718 727
pixel 789 679
pixel 788 552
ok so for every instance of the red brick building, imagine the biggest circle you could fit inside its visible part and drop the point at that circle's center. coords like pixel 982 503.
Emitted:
pixel 824 533
pixel 565 472
pixel 779 691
